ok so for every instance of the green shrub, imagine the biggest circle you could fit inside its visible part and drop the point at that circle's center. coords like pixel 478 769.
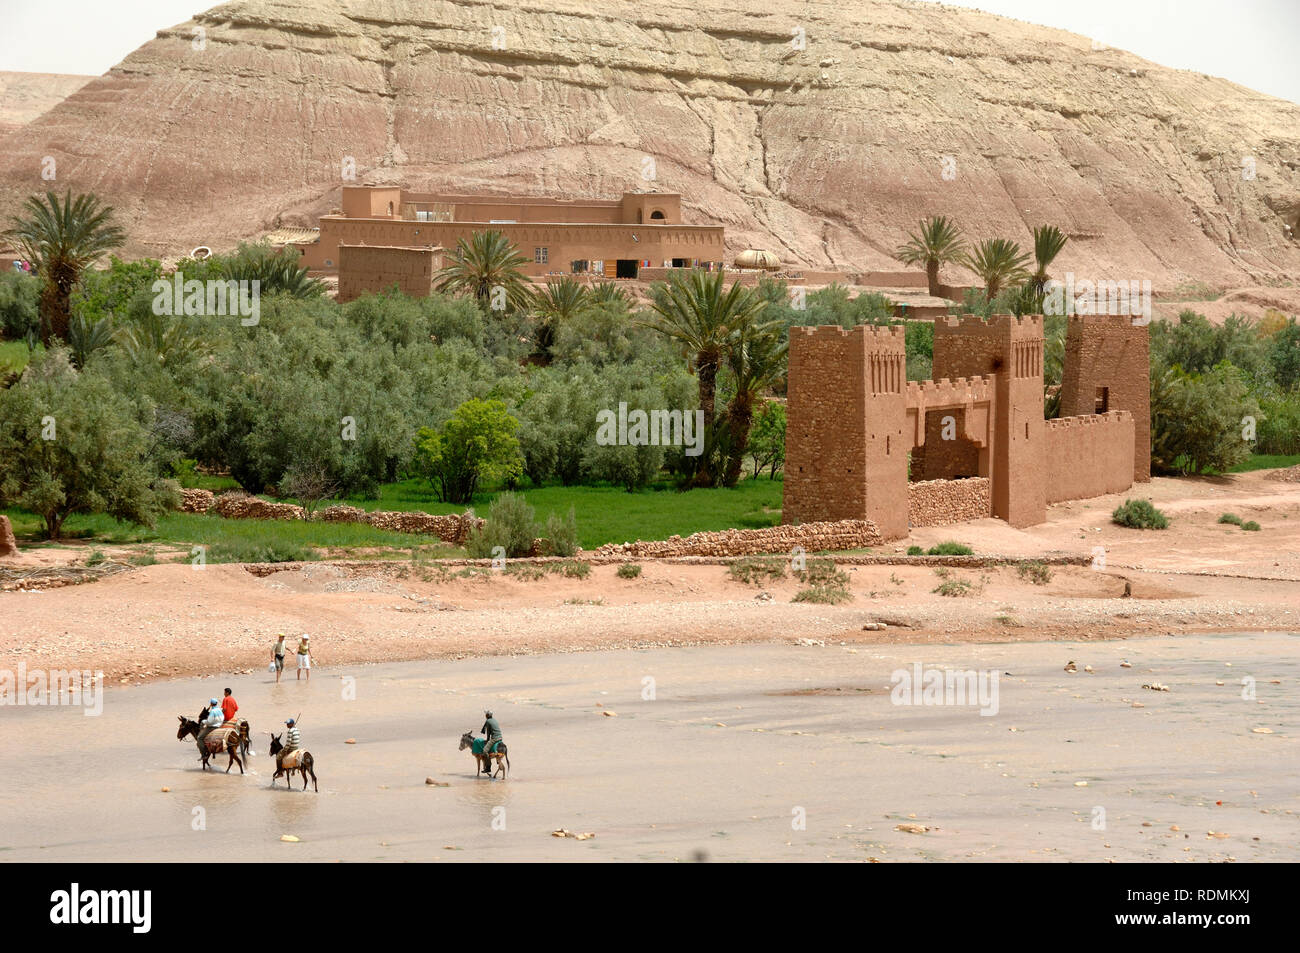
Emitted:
pixel 950 548
pixel 1139 514
pixel 509 525
pixel 1232 518
pixel 95 557
pixel 915 551
pixel 1040 574
pixel 756 570
pixel 629 571
pixel 1250 525
pixel 561 537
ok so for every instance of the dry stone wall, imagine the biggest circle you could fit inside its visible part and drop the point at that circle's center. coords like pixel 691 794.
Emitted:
pixel 449 527
pixel 241 506
pixel 940 502
pixel 811 537
pixel 197 501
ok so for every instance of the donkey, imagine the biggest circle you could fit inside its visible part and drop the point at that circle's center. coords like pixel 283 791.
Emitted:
pixel 229 738
pixel 483 761
pixel 299 761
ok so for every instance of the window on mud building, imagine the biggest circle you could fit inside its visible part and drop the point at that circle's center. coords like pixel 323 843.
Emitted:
pixel 540 254
pixel 1102 404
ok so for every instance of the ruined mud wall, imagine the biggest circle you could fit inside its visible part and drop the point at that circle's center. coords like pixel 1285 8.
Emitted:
pixel 377 268
pixel 940 502
pixel 1089 456
pixel 811 537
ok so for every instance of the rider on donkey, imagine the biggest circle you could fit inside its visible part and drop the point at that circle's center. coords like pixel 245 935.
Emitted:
pixel 292 740
pixel 491 734
pixel 214 719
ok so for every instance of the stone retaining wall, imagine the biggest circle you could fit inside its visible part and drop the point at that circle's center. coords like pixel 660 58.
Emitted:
pixel 197 501
pixel 811 537
pixel 449 527
pixel 240 506
pixel 940 502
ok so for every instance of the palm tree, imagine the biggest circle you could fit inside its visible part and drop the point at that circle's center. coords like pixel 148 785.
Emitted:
pixel 696 312
pixel 558 303
pixel 486 262
pixel 1048 242
pixel 757 359
pixel 156 339
pixel 609 293
pixel 62 240
pixel 999 262
pixel 86 336
pixel 939 242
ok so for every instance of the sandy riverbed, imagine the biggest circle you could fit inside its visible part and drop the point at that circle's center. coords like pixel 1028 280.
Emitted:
pixel 737 744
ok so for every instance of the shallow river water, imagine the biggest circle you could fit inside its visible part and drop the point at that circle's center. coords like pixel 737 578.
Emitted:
pixel 750 752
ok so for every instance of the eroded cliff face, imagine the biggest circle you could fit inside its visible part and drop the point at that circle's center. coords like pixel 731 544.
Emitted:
pixel 825 154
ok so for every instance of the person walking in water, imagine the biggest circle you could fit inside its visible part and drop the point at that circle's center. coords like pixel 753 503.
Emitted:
pixel 304 657
pixel 277 657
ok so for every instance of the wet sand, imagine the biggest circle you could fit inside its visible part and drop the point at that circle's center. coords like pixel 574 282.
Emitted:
pixel 737 741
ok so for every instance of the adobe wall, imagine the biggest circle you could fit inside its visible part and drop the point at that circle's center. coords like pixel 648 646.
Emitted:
pixel 846 449
pixel 565 243
pixel 1011 348
pixel 1110 351
pixel 940 502
pixel 1089 456
pixel 374 268
pixel 8 543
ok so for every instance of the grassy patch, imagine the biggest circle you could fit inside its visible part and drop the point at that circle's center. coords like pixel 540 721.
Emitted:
pixel 1040 574
pixel 951 548
pixel 607 514
pixel 1266 461
pixel 628 571
pixel 956 588
pixel 757 570
pixel 1232 518
pixel 1251 525
pixel 915 551
pixel 826 582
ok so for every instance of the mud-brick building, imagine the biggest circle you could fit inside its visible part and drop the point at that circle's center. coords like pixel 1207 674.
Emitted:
pixel 863 442
pixel 611 238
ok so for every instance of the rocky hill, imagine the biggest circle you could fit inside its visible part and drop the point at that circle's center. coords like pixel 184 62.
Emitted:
pixel 24 96
pixel 819 130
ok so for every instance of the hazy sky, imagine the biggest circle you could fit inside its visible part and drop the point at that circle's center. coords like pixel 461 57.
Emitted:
pixel 1251 42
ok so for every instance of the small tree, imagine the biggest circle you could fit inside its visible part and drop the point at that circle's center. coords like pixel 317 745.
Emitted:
pixel 999 262
pixel 767 439
pixel 70 443
pixel 476 444
pixel 310 485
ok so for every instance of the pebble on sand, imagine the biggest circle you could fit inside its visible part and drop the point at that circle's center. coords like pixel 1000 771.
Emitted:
pixel 437 784
pixel 288 838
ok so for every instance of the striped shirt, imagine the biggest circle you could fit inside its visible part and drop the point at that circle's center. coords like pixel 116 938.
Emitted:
pixel 294 737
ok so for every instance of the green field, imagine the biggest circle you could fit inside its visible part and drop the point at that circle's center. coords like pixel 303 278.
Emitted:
pixel 1263 461
pixel 604 514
